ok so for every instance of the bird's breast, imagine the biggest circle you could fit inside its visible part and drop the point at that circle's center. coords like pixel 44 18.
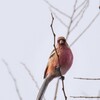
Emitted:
pixel 66 60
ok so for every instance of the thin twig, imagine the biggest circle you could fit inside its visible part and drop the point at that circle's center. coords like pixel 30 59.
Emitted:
pixel 57 9
pixel 32 77
pixel 63 88
pixel 99 4
pixel 59 19
pixel 53 32
pixel 54 38
pixel 57 56
pixel 81 4
pixel 93 20
pixel 86 97
pixel 71 20
pixel 13 78
pixel 87 78
pixel 55 96
pixel 84 7
pixel 80 14
pixel 30 74
pixel 98 95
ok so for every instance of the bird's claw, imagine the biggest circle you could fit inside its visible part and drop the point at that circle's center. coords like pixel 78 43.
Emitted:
pixel 62 77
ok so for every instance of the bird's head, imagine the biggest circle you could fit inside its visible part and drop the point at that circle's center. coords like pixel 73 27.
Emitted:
pixel 61 41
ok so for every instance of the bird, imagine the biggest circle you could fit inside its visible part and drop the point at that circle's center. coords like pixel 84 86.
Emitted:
pixel 59 63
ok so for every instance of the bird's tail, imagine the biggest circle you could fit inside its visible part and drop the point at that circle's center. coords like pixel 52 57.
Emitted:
pixel 43 87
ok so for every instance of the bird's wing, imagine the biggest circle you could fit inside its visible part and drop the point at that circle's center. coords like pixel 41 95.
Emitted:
pixel 45 72
pixel 51 55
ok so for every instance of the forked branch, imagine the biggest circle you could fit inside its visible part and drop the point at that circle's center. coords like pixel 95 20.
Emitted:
pixel 62 78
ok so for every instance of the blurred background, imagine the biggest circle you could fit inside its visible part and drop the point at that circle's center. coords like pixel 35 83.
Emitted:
pixel 26 37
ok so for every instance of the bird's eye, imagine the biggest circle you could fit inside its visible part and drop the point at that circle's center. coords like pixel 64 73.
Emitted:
pixel 61 41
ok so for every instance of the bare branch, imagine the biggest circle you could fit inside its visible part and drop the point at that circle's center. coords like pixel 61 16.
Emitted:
pixel 59 19
pixel 84 8
pixel 30 74
pixel 71 19
pixel 57 9
pixel 86 97
pixel 63 88
pixel 99 4
pixel 53 31
pixel 98 95
pixel 62 78
pixel 80 14
pixel 32 77
pixel 13 78
pixel 81 4
pixel 54 38
pixel 93 20
pixel 55 96
pixel 86 78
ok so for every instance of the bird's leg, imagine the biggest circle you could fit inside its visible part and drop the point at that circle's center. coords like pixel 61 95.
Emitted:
pixel 58 70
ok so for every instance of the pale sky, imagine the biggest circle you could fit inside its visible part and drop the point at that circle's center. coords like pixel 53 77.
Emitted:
pixel 25 36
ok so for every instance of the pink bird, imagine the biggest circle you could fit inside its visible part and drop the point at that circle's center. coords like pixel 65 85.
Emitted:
pixel 63 64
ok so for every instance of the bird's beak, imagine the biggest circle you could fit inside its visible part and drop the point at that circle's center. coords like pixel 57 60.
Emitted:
pixel 62 42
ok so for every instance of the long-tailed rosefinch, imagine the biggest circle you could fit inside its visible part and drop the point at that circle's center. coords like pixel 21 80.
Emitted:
pixel 63 62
